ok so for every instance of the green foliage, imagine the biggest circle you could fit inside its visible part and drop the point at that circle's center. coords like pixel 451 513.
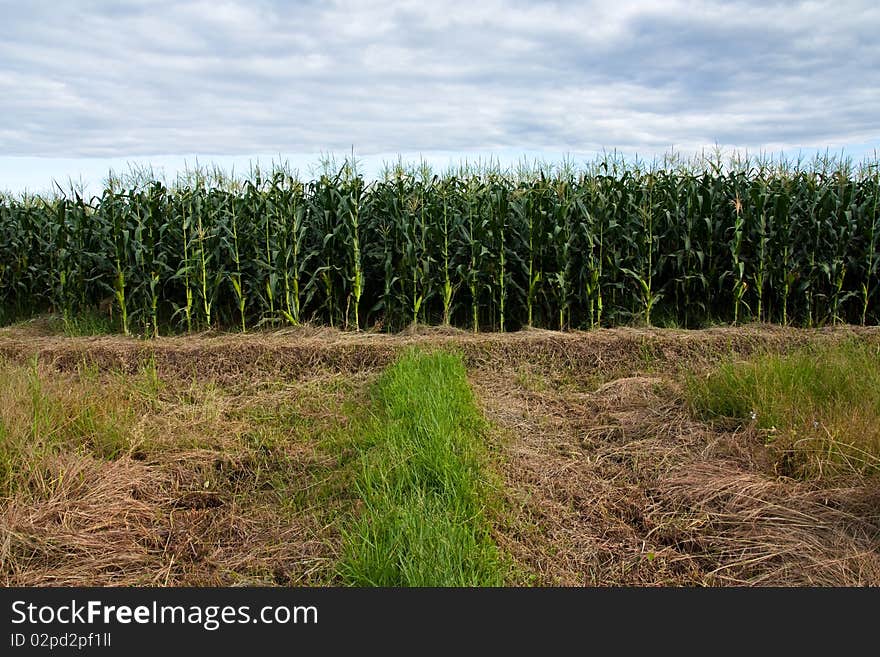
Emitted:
pixel 477 248
pixel 422 521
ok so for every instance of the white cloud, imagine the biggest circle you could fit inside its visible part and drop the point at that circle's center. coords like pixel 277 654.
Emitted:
pixel 102 79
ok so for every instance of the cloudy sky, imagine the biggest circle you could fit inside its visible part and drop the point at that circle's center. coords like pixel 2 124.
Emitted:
pixel 92 84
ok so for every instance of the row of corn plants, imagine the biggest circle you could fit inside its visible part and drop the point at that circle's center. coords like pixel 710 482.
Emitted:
pixel 478 249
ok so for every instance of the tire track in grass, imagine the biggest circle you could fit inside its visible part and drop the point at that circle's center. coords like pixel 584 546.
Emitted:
pixel 422 519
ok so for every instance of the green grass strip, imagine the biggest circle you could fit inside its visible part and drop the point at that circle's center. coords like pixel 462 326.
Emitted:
pixel 422 521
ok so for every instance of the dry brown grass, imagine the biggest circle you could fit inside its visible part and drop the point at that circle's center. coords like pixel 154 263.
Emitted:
pixel 305 352
pixel 744 527
pixel 229 473
pixel 82 520
pixel 216 485
pixel 123 523
pixel 619 486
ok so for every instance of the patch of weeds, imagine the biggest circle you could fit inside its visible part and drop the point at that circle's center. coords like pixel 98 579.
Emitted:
pixel 43 415
pixel 103 432
pixel 647 356
pixel 530 380
pixel 816 408
pixel 87 323
pixel 88 371
pixel 148 382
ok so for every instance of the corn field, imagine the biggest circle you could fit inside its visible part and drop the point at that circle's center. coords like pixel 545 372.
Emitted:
pixel 478 249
